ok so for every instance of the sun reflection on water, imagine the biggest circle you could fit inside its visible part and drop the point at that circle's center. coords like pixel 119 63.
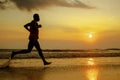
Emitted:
pixel 92 70
pixel 91 61
pixel 92 74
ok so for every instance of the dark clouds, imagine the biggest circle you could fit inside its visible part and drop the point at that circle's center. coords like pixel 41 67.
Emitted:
pixel 39 4
pixel 2 4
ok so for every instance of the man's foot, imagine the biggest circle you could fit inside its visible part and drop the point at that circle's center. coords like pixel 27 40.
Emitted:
pixel 12 55
pixel 47 63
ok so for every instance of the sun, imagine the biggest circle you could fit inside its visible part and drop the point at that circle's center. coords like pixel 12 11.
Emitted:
pixel 90 35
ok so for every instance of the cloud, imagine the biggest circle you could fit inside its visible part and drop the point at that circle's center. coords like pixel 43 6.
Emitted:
pixel 39 4
pixel 2 4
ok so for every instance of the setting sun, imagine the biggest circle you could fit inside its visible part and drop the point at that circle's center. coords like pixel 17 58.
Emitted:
pixel 90 35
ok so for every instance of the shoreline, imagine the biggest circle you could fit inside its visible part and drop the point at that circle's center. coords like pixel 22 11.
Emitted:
pixel 63 69
pixel 6 55
pixel 59 53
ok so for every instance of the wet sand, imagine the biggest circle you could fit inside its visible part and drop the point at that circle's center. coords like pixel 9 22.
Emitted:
pixel 62 69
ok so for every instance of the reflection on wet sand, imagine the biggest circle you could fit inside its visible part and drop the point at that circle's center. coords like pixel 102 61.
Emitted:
pixel 22 74
pixel 91 61
pixel 63 69
pixel 92 71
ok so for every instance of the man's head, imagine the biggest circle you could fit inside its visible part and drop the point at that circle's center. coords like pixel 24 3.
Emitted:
pixel 36 17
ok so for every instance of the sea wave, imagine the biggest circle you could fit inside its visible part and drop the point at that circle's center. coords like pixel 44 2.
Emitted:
pixel 62 53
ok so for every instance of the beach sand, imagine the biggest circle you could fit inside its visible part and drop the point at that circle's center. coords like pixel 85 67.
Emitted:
pixel 62 69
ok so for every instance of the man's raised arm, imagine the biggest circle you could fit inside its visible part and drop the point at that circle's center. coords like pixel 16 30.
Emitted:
pixel 27 27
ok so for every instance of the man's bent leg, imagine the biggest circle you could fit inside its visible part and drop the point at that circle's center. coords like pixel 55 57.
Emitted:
pixel 30 46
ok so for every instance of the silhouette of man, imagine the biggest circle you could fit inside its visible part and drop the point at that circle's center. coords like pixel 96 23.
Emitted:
pixel 33 28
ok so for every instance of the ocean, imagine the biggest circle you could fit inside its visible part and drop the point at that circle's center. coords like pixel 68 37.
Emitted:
pixel 66 65
pixel 63 53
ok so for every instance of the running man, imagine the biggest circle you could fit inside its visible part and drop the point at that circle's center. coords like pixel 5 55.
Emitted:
pixel 33 28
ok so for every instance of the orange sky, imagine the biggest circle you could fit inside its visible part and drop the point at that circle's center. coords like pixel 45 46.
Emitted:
pixel 64 26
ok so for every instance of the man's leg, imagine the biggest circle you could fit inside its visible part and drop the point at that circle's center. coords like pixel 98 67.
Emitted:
pixel 37 46
pixel 30 46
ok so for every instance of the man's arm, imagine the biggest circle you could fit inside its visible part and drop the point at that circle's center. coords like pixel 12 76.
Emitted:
pixel 40 26
pixel 27 27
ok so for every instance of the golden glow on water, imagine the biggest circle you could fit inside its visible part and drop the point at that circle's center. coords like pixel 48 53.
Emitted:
pixel 90 61
pixel 92 74
pixel 92 71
